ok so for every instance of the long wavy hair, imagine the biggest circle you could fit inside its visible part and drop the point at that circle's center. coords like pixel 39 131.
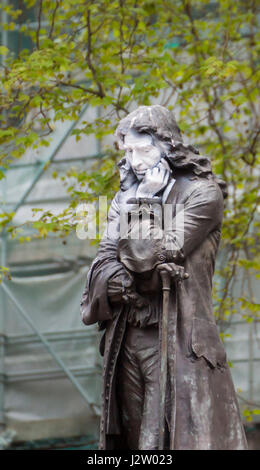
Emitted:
pixel 160 123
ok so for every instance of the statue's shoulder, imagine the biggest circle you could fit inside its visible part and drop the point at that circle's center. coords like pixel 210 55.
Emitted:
pixel 119 200
pixel 190 185
pixel 207 191
pixel 117 196
pixel 122 196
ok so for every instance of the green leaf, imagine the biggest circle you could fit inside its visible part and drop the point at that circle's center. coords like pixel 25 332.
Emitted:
pixel 4 50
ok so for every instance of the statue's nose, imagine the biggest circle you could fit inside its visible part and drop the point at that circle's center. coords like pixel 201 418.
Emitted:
pixel 137 162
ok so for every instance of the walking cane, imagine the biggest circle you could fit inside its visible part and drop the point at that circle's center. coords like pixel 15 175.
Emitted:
pixel 166 287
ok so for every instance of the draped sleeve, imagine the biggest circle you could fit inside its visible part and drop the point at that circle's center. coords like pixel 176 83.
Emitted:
pixel 95 305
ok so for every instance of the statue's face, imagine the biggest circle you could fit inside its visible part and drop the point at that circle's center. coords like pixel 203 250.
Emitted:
pixel 141 152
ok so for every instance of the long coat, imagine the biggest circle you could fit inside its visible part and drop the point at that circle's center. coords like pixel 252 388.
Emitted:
pixel 201 406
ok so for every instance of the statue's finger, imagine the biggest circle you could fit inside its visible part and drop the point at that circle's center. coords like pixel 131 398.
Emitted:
pixel 164 267
pixel 183 276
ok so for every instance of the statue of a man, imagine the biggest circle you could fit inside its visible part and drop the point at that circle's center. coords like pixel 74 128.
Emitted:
pixel 124 295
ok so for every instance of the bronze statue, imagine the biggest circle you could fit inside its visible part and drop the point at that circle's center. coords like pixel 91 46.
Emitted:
pixel 167 384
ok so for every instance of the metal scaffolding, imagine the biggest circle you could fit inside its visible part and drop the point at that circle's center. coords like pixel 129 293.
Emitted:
pixel 72 373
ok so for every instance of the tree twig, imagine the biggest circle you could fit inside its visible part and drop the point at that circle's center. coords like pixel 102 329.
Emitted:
pixel 53 18
pixel 101 92
pixel 39 25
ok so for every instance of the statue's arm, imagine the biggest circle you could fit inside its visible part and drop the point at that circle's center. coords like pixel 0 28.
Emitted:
pixel 202 213
pixel 108 282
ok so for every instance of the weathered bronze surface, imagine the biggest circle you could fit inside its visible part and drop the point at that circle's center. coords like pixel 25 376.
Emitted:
pixel 166 379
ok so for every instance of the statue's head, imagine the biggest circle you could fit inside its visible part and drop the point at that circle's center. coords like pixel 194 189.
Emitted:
pixel 146 135
pixel 154 120
pixel 151 133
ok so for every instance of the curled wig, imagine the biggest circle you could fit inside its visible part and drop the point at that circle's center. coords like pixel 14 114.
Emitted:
pixel 160 123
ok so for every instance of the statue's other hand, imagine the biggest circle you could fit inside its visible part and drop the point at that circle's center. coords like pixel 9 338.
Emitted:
pixel 135 299
pixel 117 286
pixel 121 289
pixel 175 271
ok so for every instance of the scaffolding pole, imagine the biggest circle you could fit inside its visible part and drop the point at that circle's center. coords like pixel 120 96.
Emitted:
pixel 23 166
